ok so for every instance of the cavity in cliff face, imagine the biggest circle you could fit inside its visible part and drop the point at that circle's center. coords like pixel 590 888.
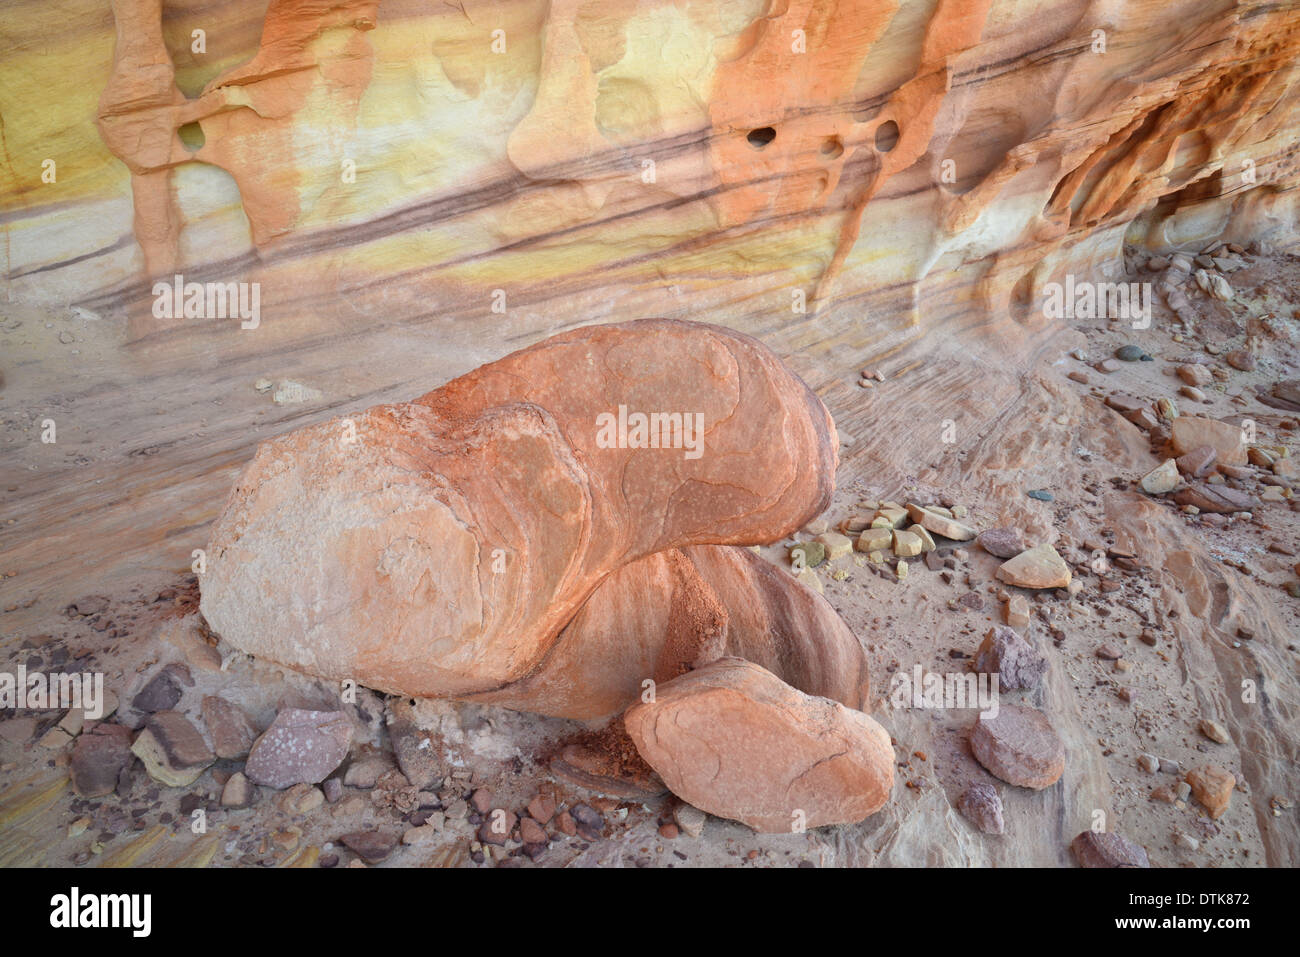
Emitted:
pixel 1034 259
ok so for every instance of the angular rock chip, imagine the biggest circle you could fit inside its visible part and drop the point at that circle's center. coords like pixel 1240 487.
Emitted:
pixel 371 846
pixel 937 524
pixel 18 730
pixel 589 821
pixel 1017 612
pixel 530 832
pixel 689 818
pixel 497 826
pixel 365 771
pixel 300 747
pixel 1019 747
pixel 415 749
pixel 875 539
pixel 836 545
pixel 1039 567
pixel 808 554
pixel 1241 359
pixel 162 693
pixel 1015 661
pixel 238 791
pixel 173 751
pixel 1212 786
pixel 1195 374
pixel 230 729
pixel 906 544
pixel 90 605
pixel 1198 461
pixel 98 757
pixel 734 740
pixel 441 550
pixel 1161 479
pixel 1105 849
pixel 1219 499
pixel 1214 731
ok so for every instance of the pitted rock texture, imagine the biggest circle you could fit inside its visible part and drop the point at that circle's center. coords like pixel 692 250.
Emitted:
pixel 438 547
pixel 1015 660
pixel 732 739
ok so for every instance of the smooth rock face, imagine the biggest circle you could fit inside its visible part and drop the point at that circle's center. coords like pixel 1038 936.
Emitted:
pixel 733 740
pixel 1106 849
pixel 1015 661
pixel 1190 432
pixel 659 617
pixel 1039 567
pixel 300 747
pixel 439 546
pixel 1019 747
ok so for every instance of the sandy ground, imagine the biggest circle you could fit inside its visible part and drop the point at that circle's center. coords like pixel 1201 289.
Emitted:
pixel 1214 597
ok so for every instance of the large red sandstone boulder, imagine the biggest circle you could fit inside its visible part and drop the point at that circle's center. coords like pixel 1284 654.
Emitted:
pixel 655 619
pixel 733 739
pixel 439 547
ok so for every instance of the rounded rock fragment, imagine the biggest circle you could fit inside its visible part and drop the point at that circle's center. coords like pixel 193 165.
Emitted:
pixel 734 740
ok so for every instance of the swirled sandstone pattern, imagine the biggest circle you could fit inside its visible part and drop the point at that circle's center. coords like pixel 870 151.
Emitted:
pixel 438 547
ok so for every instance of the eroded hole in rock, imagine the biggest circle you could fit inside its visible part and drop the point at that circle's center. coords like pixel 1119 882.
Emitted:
pixel 886 136
pixel 833 148
pixel 191 135
pixel 761 137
